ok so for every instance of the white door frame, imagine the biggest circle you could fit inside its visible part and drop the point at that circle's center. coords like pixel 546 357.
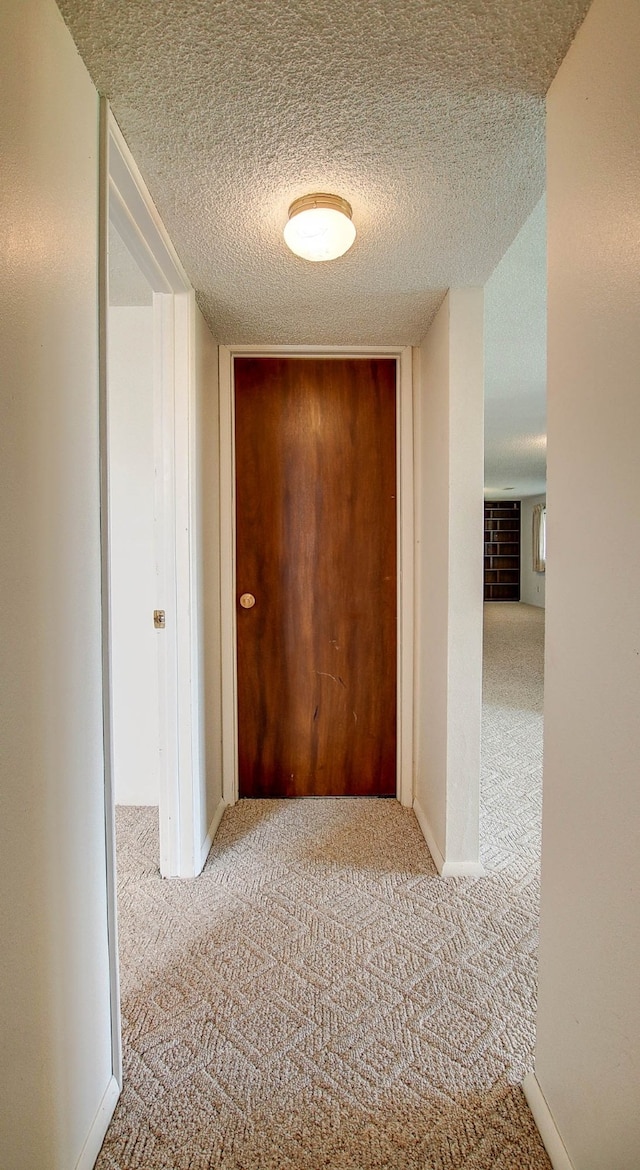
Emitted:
pixel 133 214
pixel 126 203
pixel 405 522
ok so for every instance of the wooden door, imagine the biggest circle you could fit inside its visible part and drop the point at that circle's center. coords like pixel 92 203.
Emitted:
pixel 316 547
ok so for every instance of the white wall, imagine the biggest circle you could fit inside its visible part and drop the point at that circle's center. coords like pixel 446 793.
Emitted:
pixel 208 587
pixel 134 590
pixel 55 1049
pixel 532 585
pixel 449 532
pixel 588 1048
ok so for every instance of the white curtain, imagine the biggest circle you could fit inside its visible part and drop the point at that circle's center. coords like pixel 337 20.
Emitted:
pixel 539 538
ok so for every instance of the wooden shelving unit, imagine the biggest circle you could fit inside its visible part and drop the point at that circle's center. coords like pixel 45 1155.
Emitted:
pixel 502 550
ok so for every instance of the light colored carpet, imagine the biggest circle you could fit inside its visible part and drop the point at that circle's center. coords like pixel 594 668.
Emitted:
pixel 319 998
pixel 511 792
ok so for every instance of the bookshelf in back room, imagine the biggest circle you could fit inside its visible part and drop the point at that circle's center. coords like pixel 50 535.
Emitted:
pixel 502 550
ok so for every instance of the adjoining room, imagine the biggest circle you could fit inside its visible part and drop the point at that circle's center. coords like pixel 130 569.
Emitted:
pixel 514 551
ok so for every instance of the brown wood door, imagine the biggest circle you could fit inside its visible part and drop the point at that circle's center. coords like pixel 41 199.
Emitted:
pixel 316 546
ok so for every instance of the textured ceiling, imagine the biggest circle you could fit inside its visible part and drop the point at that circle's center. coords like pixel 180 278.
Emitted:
pixel 515 346
pixel 428 116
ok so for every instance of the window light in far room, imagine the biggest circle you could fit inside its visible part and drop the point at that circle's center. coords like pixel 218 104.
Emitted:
pixel 319 227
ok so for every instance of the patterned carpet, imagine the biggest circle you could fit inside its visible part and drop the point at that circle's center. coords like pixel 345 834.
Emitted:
pixel 511 804
pixel 319 998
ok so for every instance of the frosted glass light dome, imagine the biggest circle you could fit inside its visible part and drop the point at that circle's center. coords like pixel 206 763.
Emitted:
pixel 319 227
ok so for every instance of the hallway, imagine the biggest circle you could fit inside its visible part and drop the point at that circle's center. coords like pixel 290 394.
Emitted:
pixel 319 997
pixel 440 130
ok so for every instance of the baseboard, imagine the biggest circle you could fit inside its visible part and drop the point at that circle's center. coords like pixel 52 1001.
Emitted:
pixel 547 1127
pixel 445 868
pixel 213 829
pixel 463 869
pixel 93 1144
pixel 421 818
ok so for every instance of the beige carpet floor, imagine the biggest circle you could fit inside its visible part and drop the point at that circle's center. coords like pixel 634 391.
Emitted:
pixel 511 790
pixel 320 998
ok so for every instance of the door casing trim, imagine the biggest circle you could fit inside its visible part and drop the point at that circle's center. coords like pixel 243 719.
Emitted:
pixel 126 203
pixel 128 206
pixel 405 538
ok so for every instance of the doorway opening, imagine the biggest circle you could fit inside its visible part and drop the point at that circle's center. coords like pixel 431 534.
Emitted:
pixel 135 714
pixel 132 566
pixel 153 704
pixel 515 484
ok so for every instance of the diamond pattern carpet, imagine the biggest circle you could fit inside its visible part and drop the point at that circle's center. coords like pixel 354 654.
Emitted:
pixel 319 997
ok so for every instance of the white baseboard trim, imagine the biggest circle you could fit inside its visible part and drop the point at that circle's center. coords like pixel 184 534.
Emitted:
pixel 547 1127
pixel 213 829
pixel 95 1138
pixel 445 868
pixel 463 869
pixel 421 818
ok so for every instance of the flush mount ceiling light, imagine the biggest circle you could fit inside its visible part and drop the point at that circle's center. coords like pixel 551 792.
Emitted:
pixel 319 227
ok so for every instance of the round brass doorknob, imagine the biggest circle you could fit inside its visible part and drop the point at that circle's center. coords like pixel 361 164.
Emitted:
pixel 247 601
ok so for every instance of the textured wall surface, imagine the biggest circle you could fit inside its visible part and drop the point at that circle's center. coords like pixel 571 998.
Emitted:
pixel 127 284
pixel 515 322
pixel 55 1003
pixel 427 117
pixel 588 1040
pixel 448 398
pixel 133 581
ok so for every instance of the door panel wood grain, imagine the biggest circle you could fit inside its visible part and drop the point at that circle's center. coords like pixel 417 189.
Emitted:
pixel 316 547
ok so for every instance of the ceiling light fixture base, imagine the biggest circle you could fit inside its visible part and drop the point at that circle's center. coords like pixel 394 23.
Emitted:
pixel 319 227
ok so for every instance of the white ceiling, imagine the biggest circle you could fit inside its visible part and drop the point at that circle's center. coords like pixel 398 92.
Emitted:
pixel 427 115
